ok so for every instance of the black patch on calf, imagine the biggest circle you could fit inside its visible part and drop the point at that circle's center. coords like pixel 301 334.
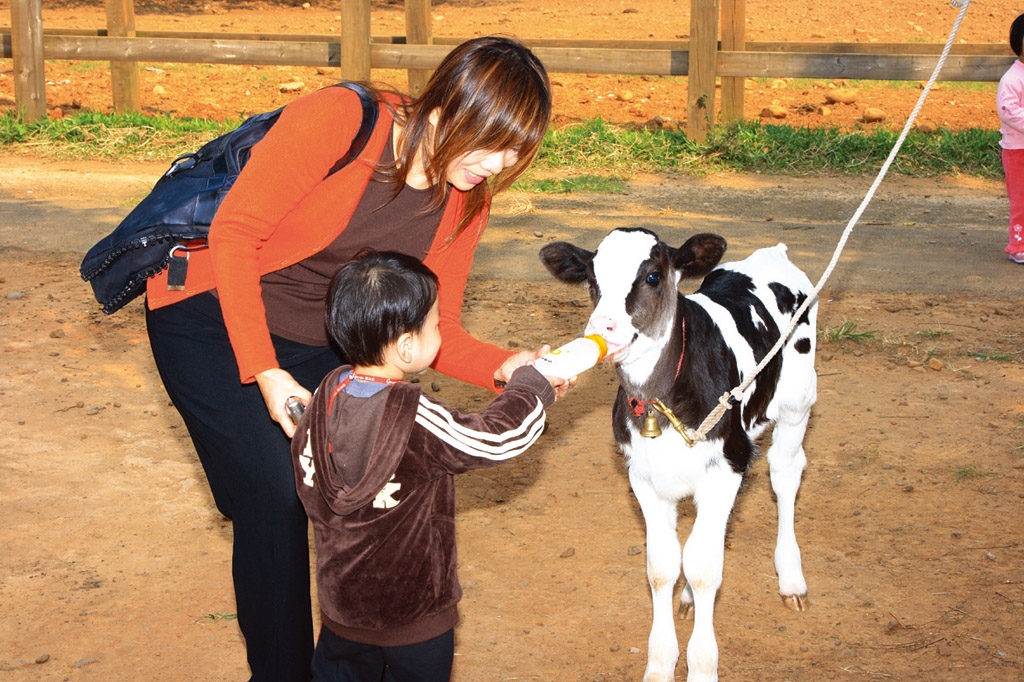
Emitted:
pixel 709 370
pixel 803 346
pixel 789 302
pixel 653 293
pixel 734 291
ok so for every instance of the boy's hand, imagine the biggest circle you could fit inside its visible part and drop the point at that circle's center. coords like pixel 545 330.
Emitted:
pixel 560 385
pixel 277 386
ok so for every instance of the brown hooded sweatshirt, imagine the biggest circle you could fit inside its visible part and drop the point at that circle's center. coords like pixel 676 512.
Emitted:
pixel 376 476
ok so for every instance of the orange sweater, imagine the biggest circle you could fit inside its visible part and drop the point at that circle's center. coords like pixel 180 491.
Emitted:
pixel 281 210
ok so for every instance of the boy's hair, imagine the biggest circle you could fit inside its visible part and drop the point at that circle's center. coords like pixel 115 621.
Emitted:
pixel 1017 35
pixel 374 299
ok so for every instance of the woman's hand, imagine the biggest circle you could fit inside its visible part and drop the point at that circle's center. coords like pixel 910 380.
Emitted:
pixel 277 386
pixel 527 357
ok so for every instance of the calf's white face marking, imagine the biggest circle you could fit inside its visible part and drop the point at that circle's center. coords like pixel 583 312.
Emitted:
pixel 635 290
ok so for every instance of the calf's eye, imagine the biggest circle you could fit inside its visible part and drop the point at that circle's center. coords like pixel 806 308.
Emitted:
pixel 654 279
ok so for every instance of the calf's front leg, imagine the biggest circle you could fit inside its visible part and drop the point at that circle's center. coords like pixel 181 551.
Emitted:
pixel 703 561
pixel 663 560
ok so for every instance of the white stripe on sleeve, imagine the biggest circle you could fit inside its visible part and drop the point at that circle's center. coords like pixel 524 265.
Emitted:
pixel 494 446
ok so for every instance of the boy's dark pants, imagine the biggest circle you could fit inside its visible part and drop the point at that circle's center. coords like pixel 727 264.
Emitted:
pixel 247 459
pixel 340 660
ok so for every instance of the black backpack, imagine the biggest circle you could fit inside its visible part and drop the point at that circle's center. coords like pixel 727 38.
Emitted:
pixel 175 216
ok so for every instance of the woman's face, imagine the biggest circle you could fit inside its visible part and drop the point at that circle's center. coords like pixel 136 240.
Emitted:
pixel 472 168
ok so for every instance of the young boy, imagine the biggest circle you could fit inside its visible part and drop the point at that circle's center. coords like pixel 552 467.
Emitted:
pixel 375 461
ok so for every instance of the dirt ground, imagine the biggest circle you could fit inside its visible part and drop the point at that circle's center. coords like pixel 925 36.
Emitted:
pixel 116 566
pixel 229 91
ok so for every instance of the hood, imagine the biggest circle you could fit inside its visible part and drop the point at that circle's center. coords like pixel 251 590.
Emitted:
pixel 356 444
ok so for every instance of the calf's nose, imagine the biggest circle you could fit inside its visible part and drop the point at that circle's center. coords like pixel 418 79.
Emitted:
pixel 600 324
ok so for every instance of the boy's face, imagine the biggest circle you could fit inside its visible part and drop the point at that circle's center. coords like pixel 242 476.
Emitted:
pixel 427 341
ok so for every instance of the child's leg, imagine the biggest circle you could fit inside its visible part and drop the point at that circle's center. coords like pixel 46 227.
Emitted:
pixel 337 659
pixel 1013 168
pixel 429 661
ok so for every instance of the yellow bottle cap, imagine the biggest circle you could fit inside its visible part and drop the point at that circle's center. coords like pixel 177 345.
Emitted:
pixel 601 344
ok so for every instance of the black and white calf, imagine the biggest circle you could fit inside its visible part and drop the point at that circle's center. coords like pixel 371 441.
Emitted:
pixel 688 351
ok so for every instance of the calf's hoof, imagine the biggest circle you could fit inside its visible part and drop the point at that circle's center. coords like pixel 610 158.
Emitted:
pixel 795 602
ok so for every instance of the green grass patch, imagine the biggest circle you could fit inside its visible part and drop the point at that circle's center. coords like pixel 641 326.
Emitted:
pixel 579 183
pixel 847 331
pixel 92 135
pixel 971 472
pixel 596 154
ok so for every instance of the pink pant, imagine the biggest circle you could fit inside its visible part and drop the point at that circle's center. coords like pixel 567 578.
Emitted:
pixel 1013 168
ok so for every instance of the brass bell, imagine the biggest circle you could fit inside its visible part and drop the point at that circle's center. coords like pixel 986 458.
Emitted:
pixel 650 429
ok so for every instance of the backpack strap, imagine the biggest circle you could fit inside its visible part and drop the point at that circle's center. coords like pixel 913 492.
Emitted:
pixel 370 112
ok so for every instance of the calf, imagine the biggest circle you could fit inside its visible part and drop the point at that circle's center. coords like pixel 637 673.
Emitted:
pixel 688 351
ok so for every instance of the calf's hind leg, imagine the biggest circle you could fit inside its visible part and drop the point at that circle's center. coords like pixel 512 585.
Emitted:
pixel 786 461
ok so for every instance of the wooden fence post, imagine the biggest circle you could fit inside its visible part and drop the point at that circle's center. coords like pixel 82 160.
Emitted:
pixel 355 40
pixel 124 76
pixel 418 32
pixel 700 110
pixel 733 40
pixel 27 50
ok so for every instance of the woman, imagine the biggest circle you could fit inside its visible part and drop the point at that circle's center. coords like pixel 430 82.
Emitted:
pixel 247 331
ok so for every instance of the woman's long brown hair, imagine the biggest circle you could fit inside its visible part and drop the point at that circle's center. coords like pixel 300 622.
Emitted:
pixel 492 94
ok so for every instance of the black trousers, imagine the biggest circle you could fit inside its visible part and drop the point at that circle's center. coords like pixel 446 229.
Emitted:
pixel 247 460
pixel 340 660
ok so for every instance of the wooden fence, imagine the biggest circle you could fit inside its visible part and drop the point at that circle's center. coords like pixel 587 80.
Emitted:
pixel 704 59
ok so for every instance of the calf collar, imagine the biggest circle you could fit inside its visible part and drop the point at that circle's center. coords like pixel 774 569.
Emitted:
pixel 642 406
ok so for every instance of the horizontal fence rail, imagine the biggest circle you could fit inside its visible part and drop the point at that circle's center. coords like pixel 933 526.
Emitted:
pixel 875 61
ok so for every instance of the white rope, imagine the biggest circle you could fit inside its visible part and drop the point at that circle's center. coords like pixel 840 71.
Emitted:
pixel 736 395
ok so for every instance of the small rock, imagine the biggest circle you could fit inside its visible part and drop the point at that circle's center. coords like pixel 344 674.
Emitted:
pixel 57 334
pixel 634 650
pixel 936 364
pixel 434 386
pixel 873 115
pixel 626 95
pixel 634 550
pixel 773 111
pixel 567 553
pixel 841 96
pixel 294 86
pixel 913 364
pixel 16 295
pixel 159 90
pixel 538 234
pixel 42 658
pixel 925 126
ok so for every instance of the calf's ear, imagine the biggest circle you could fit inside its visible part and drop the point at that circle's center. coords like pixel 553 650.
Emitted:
pixel 568 263
pixel 699 255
